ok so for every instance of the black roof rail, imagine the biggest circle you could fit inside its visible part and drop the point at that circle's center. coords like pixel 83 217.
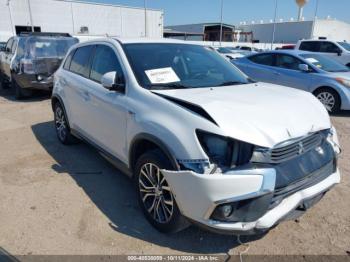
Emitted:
pixel 44 34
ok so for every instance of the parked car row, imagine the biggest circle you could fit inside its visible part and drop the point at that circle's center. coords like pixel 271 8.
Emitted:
pixel 203 142
pixel 324 77
pixel 29 60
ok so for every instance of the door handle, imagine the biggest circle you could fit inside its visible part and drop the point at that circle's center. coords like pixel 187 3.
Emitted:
pixel 86 95
pixel 131 112
pixel 277 74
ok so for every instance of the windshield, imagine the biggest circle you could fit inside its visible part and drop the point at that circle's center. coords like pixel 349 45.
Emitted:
pixel 49 46
pixel 172 66
pixel 325 63
pixel 345 45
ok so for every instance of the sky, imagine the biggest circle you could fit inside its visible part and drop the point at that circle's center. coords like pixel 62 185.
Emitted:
pixel 236 11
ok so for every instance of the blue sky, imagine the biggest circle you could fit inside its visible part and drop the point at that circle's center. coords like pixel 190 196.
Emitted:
pixel 235 11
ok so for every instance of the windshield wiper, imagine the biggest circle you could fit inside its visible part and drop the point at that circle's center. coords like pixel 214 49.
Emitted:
pixel 232 83
pixel 168 86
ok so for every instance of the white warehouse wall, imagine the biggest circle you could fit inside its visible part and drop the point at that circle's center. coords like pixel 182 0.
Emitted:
pixel 70 16
pixel 332 29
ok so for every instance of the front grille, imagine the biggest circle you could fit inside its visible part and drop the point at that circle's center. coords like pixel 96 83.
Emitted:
pixel 293 148
pixel 308 181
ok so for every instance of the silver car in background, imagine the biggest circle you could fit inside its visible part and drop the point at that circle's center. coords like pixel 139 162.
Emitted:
pixel 326 78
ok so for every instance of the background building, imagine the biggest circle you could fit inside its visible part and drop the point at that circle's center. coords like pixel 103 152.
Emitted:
pixel 81 19
pixel 291 32
pixel 200 32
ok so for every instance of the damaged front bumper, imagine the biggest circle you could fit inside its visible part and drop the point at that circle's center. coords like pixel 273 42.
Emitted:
pixel 199 195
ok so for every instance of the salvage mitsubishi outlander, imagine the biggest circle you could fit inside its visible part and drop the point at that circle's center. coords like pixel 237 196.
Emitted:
pixel 203 143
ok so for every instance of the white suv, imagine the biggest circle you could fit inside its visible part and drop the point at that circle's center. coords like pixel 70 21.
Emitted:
pixel 203 142
pixel 339 51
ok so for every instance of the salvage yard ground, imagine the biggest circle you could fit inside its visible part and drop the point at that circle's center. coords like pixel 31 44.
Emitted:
pixel 57 199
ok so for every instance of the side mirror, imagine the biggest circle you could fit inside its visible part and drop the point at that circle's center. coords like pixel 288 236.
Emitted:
pixel 339 52
pixel 304 68
pixel 7 50
pixel 113 82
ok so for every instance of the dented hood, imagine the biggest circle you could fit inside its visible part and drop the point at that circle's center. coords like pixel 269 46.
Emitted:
pixel 262 114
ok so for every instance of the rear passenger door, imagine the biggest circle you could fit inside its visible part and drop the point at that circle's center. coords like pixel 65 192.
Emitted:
pixel 287 68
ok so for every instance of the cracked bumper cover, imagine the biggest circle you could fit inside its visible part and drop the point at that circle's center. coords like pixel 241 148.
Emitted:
pixel 197 195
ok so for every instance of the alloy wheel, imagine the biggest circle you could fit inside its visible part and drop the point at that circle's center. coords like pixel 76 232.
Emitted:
pixel 155 193
pixel 327 99
pixel 60 122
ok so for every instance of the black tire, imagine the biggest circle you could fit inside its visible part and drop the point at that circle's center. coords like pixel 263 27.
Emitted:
pixel 173 221
pixel 348 65
pixel 62 126
pixel 328 94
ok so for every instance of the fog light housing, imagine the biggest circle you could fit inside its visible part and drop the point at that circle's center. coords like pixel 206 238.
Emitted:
pixel 226 210
pixel 39 77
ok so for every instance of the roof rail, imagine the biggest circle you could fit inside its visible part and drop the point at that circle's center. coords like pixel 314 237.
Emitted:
pixel 44 34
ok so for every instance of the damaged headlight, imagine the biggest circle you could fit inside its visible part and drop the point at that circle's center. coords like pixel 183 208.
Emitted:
pixel 225 152
pixel 333 140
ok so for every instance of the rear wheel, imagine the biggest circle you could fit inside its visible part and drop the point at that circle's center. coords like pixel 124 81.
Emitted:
pixel 155 195
pixel 329 98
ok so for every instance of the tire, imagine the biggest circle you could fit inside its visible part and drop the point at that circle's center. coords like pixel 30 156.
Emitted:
pixel 62 127
pixel 329 98
pixel 165 215
pixel 348 65
pixel 20 93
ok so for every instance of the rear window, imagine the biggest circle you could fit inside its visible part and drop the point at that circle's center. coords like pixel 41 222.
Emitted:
pixel 311 46
pixel 80 61
pixel 39 47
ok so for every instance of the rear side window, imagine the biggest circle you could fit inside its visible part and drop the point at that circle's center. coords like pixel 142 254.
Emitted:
pixel 14 46
pixel 105 60
pixel 9 44
pixel 312 46
pixel 266 59
pixel 68 60
pixel 80 61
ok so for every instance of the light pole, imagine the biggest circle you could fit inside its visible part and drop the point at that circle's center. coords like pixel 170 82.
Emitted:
pixel 30 16
pixel 274 25
pixel 8 5
pixel 315 18
pixel 222 8
pixel 145 7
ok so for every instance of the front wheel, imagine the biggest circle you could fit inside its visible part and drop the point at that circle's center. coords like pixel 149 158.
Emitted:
pixel 329 98
pixel 155 195
pixel 62 126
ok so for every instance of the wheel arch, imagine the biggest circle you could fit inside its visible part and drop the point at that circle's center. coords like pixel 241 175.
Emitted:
pixel 57 99
pixel 144 142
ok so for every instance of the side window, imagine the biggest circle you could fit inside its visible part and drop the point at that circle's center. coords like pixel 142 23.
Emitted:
pixel 328 47
pixel 266 59
pixel 288 62
pixel 68 60
pixel 80 61
pixel 105 60
pixel 312 46
pixel 9 44
pixel 14 46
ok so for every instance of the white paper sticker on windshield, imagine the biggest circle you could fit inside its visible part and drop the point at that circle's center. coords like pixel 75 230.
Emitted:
pixel 312 60
pixel 162 75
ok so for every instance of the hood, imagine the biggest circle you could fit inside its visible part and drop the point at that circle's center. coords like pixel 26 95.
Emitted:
pixel 262 114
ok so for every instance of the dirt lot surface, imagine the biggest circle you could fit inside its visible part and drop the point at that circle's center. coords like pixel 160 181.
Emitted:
pixel 57 199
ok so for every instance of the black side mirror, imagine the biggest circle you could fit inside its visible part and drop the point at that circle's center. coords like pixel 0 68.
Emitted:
pixel 113 82
pixel 7 50
pixel 339 52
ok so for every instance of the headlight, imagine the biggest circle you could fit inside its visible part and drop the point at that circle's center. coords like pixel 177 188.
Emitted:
pixel 225 152
pixel 333 139
pixel 344 82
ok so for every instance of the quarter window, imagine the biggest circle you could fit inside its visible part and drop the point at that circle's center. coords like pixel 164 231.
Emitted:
pixel 105 60
pixel 263 59
pixel 80 60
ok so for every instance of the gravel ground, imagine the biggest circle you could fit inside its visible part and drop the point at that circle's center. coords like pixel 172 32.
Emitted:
pixel 57 199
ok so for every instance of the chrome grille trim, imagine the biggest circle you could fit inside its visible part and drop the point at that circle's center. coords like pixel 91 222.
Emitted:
pixel 288 149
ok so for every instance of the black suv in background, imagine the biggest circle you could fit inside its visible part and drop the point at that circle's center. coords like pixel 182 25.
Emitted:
pixel 29 60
